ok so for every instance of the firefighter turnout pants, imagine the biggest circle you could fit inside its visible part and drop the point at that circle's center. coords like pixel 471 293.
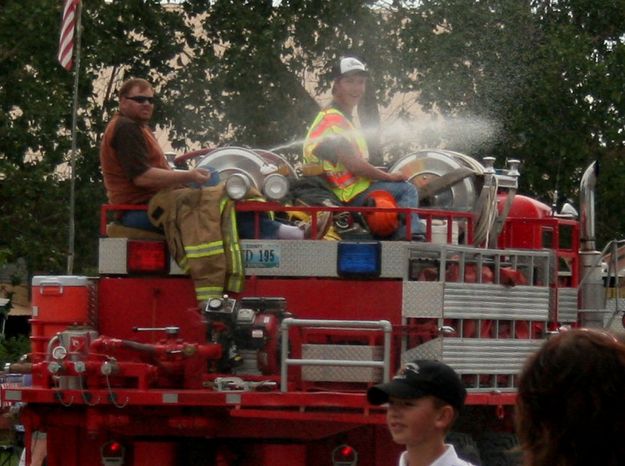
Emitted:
pixel 200 227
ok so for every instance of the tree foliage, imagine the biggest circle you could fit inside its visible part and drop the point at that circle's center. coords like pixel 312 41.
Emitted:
pixel 540 81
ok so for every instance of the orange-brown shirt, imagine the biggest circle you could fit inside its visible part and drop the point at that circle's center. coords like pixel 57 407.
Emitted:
pixel 128 149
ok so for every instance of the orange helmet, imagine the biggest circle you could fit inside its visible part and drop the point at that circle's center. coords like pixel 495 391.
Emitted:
pixel 381 224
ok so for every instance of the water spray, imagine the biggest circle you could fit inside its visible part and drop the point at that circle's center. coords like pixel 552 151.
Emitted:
pixel 453 132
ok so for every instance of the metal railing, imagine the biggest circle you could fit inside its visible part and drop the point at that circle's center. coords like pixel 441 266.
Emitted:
pixel 286 361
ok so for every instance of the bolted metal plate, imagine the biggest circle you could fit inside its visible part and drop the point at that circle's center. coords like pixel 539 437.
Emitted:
pixel 422 299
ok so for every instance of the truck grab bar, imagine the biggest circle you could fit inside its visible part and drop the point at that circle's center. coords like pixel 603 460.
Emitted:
pixel 285 361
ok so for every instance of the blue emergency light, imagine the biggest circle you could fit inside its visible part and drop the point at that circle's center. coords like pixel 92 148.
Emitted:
pixel 360 259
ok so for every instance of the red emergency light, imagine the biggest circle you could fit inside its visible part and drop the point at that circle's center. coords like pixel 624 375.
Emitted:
pixel 344 455
pixel 147 257
pixel 112 453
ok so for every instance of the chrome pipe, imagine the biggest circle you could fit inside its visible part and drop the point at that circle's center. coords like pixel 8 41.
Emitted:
pixel 587 207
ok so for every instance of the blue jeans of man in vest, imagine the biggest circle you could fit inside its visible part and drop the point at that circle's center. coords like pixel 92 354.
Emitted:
pixel 405 195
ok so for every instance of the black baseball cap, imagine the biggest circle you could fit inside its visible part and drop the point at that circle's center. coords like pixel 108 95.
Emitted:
pixel 422 378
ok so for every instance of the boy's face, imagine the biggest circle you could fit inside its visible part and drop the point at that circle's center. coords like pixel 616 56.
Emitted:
pixel 349 89
pixel 417 421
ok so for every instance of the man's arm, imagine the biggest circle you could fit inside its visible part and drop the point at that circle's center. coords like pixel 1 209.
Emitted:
pixel 361 167
pixel 346 154
pixel 160 178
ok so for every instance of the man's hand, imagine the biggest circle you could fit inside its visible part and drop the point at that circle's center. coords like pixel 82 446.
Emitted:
pixel 397 176
pixel 199 175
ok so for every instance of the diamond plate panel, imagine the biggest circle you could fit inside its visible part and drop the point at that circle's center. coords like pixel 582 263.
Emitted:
pixel 433 349
pixel 292 258
pixel 318 258
pixel 112 256
pixel 474 301
pixel 342 373
pixel 395 259
pixel 422 299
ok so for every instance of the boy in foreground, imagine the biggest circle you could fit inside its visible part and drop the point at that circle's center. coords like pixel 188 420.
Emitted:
pixel 424 400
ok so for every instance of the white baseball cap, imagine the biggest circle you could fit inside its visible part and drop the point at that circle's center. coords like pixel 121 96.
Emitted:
pixel 350 65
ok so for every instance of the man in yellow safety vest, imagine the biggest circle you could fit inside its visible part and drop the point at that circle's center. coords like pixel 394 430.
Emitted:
pixel 334 143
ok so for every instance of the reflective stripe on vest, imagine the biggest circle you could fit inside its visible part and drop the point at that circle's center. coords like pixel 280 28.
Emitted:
pixel 341 179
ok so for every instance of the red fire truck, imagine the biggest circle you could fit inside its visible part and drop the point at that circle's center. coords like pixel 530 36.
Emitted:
pixel 128 370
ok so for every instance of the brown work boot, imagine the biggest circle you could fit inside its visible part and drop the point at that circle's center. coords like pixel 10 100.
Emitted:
pixel 324 221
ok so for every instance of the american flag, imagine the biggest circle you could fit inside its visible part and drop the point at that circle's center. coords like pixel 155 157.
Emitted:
pixel 66 40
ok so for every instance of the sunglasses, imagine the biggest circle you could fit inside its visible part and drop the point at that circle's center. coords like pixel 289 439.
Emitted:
pixel 141 99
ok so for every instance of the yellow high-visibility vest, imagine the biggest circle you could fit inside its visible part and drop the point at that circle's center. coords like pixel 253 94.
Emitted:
pixel 330 121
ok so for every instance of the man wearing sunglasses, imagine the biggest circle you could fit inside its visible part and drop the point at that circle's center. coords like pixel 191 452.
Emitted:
pixel 135 169
pixel 134 166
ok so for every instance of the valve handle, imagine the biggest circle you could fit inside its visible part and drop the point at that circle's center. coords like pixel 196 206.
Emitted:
pixel 168 330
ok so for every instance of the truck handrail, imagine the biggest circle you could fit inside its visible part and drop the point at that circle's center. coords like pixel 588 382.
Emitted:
pixel 427 215
pixel 285 361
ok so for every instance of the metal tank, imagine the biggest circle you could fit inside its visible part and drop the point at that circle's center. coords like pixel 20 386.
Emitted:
pixel 445 179
pixel 243 169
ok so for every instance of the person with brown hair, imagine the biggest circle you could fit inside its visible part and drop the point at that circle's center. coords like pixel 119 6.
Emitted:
pixel 571 401
pixel 339 149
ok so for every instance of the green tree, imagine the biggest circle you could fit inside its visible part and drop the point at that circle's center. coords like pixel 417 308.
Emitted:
pixel 547 74
pixel 120 39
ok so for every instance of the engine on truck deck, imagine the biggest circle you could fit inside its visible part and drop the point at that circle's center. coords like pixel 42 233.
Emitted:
pixel 247 329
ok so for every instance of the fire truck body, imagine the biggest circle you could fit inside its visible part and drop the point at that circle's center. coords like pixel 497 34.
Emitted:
pixel 128 370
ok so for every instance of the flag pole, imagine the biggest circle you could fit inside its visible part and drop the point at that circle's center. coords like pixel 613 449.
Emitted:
pixel 72 160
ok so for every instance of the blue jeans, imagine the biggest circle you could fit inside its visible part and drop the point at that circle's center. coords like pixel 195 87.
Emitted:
pixel 245 224
pixel 268 228
pixel 138 219
pixel 405 195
